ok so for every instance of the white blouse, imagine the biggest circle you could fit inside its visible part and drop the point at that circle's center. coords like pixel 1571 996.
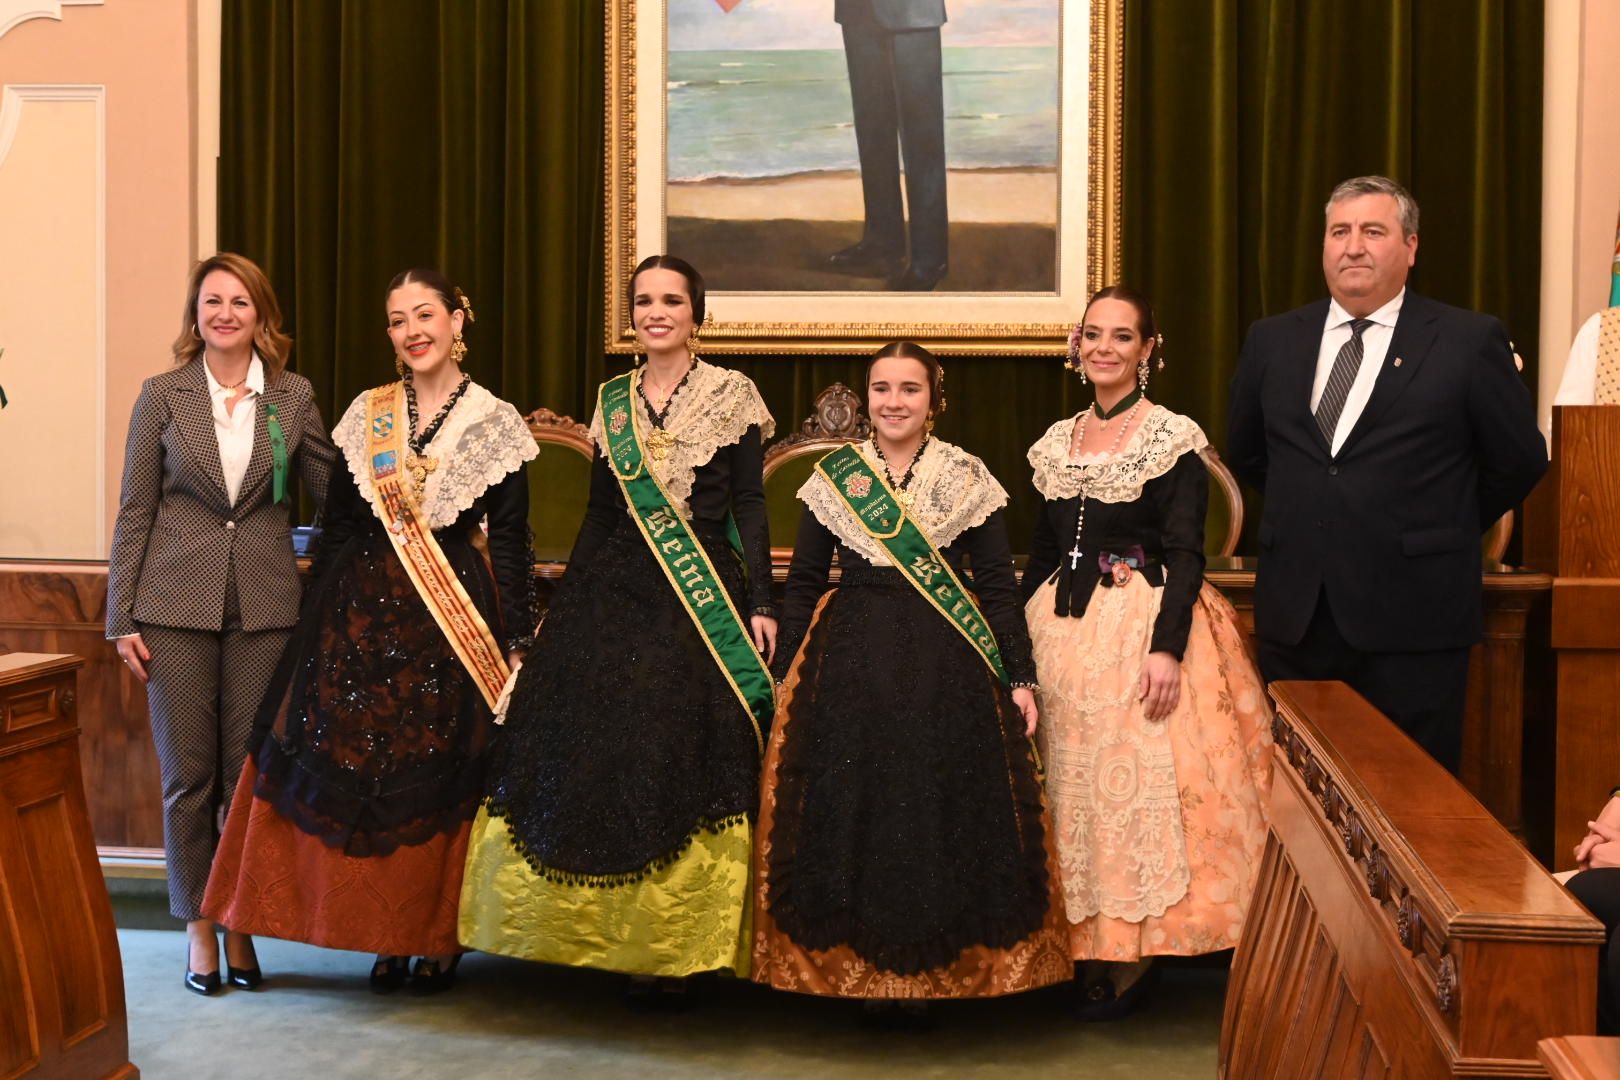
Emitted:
pixel 235 429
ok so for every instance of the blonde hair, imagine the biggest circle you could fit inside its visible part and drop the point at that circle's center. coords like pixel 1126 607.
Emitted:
pixel 273 346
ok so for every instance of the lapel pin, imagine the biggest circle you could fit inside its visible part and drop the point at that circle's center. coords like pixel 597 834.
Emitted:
pixel 1397 361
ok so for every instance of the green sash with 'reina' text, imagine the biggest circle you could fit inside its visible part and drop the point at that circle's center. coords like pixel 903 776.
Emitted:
pixel 684 561
pixel 874 505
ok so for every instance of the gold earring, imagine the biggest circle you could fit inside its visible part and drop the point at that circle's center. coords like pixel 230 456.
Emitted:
pixel 1142 373
pixel 399 366
pixel 458 349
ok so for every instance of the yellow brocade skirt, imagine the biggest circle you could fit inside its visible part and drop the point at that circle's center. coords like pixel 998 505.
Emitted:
pixel 1159 825
pixel 687 916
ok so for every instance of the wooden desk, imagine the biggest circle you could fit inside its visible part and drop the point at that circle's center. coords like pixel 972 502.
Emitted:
pixel 1493 725
pixel 61 607
pixel 1397 930
pixel 1580 1057
pixel 61 979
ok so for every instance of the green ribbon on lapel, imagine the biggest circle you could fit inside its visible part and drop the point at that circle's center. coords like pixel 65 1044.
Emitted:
pixel 278 453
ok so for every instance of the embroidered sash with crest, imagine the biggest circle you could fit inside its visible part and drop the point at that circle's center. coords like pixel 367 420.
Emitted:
pixel 435 580
pixel 874 505
pixel 682 556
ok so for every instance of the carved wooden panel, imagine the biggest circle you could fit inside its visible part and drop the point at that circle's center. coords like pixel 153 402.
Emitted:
pixel 62 1011
pixel 1396 923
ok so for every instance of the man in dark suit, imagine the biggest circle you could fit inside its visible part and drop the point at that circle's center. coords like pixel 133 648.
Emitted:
pixel 1387 431
pixel 896 87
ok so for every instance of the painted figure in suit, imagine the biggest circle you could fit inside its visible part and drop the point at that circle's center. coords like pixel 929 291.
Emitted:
pixel 896 87
pixel 1386 430
pixel 202 589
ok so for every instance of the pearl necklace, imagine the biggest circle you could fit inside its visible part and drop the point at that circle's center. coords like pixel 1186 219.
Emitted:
pixel 1075 554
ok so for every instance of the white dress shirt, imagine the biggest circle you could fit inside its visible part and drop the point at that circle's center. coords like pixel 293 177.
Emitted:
pixel 235 429
pixel 1579 384
pixel 1374 347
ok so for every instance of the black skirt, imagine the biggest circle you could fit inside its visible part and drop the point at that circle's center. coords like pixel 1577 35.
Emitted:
pixel 372 734
pixel 908 820
pixel 623 736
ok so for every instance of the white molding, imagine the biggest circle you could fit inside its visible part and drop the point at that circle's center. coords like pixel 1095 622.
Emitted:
pixel 13 97
pixel 13 13
pixel 1560 203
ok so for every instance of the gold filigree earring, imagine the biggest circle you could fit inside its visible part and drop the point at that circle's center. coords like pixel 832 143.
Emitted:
pixel 458 349
pixel 693 340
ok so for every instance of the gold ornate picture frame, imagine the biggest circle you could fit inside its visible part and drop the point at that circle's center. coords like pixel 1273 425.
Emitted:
pixel 784 302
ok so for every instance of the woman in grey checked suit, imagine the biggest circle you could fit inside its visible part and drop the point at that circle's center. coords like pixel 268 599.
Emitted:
pixel 202 589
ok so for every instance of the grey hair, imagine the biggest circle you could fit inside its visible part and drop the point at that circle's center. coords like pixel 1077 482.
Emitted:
pixel 1405 205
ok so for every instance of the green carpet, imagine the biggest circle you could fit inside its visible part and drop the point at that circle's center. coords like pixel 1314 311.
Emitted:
pixel 314 1018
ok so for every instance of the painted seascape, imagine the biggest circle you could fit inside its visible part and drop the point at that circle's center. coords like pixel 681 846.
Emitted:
pixel 785 172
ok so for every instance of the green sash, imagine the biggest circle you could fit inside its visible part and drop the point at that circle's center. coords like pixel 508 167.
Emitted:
pixel 688 567
pixel 874 505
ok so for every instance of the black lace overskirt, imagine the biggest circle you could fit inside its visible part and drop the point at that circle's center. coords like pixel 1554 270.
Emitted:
pixel 372 734
pixel 908 819
pixel 623 736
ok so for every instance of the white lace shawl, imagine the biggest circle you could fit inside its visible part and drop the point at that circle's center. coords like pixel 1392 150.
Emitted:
pixel 481 441
pixel 712 410
pixel 952 491
pixel 1150 452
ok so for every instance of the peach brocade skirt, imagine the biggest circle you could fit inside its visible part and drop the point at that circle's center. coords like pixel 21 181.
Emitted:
pixel 1159 825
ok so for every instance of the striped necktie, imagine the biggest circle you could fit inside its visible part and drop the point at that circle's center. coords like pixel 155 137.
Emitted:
pixel 1345 366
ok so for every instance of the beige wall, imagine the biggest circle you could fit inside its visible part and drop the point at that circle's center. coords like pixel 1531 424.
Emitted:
pixel 99 208
pixel 1580 174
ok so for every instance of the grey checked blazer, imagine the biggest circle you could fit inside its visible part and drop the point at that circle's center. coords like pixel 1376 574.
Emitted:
pixel 178 534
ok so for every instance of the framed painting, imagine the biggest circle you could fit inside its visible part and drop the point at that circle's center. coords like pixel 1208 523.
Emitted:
pixel 847 172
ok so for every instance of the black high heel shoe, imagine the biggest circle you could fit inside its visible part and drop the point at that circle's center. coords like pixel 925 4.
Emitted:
pixel 389 974
pixel 206 985
pixel 428 977
pixel 243 978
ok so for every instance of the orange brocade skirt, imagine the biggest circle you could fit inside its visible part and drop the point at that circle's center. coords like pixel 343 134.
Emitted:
pixel 271 878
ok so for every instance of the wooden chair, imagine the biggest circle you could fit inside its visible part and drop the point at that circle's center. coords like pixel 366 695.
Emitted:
pixel 1224 518
pixel 559 483
pixel 837 418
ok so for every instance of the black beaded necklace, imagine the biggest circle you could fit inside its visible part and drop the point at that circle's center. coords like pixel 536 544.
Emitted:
pixel 419 442
pixel 905 481
pixel 657 416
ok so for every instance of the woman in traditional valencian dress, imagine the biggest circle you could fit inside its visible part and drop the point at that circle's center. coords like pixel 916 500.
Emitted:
pixel 350 826
pixel 622 797
pixel 903 847
pixel 1156 736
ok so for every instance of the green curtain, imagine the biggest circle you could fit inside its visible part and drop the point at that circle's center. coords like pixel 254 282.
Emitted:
pixel 362 137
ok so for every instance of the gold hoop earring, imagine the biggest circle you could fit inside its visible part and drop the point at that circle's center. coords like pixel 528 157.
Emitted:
pixel 458 349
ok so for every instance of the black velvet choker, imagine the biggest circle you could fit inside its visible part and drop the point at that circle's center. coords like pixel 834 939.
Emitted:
pixel 1119 406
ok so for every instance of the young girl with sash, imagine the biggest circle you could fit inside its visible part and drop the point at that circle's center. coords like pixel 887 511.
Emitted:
pixel 903 847
pixel 622 797
pixel 350 825
pixel 1157 732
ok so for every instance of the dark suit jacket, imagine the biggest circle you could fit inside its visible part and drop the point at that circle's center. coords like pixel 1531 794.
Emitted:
pixel 1390 527
pixel 892 14
pixel 178 536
